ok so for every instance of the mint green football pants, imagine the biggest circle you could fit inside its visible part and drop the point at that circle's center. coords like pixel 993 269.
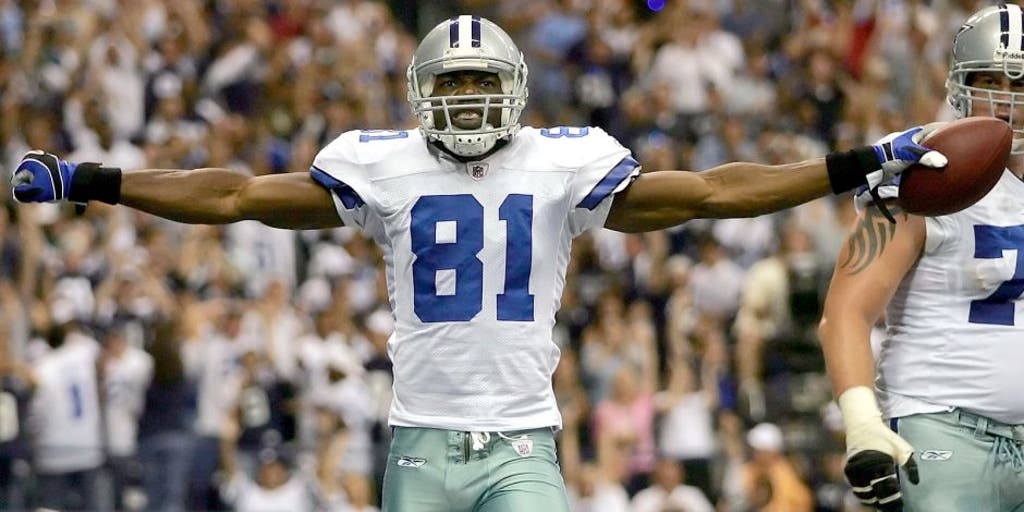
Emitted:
pixel 432 470
pixel 966 462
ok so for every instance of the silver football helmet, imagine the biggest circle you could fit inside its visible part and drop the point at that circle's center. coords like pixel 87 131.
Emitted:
pixel 467 43
pixel 991 40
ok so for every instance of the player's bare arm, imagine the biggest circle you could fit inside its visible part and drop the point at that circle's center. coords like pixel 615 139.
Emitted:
pixel 218 196
pixel 662 199
pixel 871 264
pixel 198 196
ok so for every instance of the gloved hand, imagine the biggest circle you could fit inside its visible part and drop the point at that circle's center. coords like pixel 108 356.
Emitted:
pixel 880 163
pixel 899 150
pixel 873 451
pixel 42 178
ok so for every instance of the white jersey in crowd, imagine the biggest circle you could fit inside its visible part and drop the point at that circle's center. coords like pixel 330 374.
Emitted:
pixel 263 254
pixel 125 380
pixel 65 408
pixel 295 495
pixel 683 497
pixel 955 333
pixel 214 360
pixel 476 255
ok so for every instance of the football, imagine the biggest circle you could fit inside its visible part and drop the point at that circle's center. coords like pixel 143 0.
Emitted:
pixel 977 149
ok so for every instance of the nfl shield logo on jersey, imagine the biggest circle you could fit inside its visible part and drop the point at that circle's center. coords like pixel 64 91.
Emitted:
pixel 477 170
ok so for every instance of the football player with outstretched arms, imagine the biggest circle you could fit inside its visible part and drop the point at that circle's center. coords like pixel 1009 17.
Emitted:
pixel 950 397
pixel 475 216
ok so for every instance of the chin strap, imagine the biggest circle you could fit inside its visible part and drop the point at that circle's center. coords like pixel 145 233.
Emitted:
pixel 500 143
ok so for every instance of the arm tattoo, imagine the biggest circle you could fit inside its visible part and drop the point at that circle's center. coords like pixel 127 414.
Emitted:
pixel 868 240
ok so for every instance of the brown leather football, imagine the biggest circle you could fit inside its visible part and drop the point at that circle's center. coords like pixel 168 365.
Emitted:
pixel 977 149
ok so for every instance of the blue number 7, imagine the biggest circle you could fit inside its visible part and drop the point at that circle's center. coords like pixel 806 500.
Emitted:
pixel 989 243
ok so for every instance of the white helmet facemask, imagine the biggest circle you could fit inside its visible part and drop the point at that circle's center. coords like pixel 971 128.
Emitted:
pixel 467 43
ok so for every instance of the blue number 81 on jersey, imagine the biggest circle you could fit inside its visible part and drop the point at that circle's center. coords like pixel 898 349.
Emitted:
pixel 447 234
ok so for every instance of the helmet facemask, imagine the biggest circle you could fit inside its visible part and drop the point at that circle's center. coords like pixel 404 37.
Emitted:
pixel 490 51
pixel 990 42
pixel 970 100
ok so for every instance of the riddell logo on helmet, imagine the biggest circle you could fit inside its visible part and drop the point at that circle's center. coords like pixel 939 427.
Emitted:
pixel 1002 54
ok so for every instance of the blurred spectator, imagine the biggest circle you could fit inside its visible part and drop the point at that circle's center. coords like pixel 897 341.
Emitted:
pixel 592 486
pixel 668 492
pixel 624 424
pixel 599 78
pixel 716 281
pixel 214 359
pixel 770 482
pixel 608 346
pixel 697 64
pixel 165 436
pixel 17 383
pixel 273 488
pixel 95 139
pixel 262 254
pixel 686 434
pixel 558 27
pixel 68 440
pixel 125 373
pixel 265 408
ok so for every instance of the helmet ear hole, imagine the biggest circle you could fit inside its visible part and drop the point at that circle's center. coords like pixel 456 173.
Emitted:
pixel 427 85
pixel 507 82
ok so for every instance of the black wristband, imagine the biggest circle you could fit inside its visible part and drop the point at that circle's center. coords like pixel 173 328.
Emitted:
pixel 847 169
pixel 91 182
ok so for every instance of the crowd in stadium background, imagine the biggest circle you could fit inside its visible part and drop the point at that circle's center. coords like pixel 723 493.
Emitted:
pixel 192 356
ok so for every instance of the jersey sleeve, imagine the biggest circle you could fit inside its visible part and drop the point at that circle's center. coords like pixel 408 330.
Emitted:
pixel 605 168
pixel 337 167
pixel 940 232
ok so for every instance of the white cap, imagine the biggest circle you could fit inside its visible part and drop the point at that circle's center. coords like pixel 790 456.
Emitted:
pixel 765 437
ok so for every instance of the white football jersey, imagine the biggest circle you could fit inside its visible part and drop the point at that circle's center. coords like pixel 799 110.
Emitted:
pixel 214 359
pixel 955 327
pixel 247 496
pixel 65 408
pixel 125 382
pixel 476 255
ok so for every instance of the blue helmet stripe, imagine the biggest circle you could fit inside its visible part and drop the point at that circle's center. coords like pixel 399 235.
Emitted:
pixel 453 32
pixel 1004 26
pixel 476 31
pixel 1021 41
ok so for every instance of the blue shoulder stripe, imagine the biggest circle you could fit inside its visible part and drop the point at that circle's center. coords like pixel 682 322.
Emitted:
pixel 349 198
pixel 607 185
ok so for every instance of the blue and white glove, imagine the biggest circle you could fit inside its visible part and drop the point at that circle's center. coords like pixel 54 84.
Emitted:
pixel 880 163
pixel 41 177
pixel 896 152
pixel 899 150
